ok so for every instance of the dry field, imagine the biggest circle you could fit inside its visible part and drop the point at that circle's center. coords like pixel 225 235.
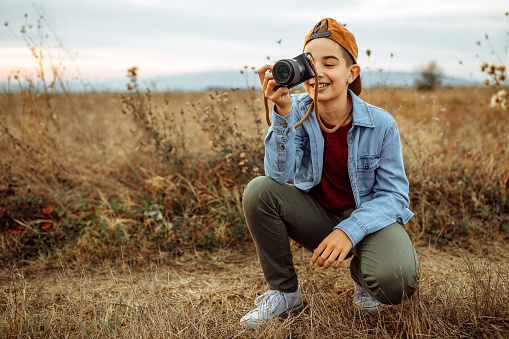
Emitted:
pixel 111 225
pixel 460 295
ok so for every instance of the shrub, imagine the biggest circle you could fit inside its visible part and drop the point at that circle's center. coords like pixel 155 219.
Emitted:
pixel 431 75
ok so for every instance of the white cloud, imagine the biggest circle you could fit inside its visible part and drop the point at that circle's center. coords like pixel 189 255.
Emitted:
pixel 172 36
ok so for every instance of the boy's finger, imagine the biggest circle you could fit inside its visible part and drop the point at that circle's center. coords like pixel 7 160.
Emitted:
pixel 316 253
pixel 332 257
pixel 262 71
pixel 325 256
pixel 341 258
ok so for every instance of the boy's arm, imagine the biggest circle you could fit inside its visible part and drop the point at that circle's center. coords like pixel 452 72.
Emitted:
pixel 281 152
pixel 390 197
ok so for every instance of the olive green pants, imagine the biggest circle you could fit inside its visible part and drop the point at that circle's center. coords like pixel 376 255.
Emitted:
pixel 384 263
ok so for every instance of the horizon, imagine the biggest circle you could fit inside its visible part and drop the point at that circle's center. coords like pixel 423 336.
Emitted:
pixel 230 79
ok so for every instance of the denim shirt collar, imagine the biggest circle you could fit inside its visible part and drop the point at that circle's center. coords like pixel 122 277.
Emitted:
pixel 361 114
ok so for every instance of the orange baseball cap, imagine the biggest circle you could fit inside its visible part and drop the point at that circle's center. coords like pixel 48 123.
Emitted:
pixel 338 33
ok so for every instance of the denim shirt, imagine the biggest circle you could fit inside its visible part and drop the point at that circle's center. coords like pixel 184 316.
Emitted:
pixel 375 163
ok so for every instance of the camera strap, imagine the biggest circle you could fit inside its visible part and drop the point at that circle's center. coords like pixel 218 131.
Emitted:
pixel 335 128
pixel 267 115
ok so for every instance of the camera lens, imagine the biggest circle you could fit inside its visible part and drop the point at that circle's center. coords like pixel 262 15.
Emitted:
pixel 291 72
pixel 283 72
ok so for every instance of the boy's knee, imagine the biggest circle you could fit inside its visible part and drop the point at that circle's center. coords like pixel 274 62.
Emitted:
pixel 393 286
pixel 255 190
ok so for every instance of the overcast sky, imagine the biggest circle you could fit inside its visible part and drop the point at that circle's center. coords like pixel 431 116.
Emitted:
pixel 167 36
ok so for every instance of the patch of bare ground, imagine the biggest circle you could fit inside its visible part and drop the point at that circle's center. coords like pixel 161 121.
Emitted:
pixel 460 294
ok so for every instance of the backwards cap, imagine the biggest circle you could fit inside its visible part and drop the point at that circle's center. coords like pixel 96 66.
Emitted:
pixel 331 29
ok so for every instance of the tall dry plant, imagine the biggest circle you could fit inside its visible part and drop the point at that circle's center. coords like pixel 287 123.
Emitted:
pixel 159 124
pixel 496 70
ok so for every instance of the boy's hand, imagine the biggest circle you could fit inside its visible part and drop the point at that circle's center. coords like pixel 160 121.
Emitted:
pixel 281 98
pixel 336 245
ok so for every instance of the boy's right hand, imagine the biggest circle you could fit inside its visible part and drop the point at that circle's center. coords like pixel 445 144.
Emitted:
pixel 281 97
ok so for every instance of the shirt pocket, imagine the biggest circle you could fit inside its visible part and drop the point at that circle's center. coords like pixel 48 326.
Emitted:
pixel 366 169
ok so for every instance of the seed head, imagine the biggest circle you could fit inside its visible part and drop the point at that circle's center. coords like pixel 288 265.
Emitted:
pixel 494 101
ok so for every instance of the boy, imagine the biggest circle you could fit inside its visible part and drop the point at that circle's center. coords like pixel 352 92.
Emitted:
pixel 350 192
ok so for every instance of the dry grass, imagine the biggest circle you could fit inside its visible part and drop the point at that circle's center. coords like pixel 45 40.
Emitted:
pixel 139 245
pixel 204 295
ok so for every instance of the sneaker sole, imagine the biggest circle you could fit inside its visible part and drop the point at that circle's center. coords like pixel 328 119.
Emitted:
pixel 290 311
pixel 370 309
pixel 255 324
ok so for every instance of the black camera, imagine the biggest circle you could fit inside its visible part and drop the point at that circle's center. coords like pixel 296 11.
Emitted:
pixel 292 72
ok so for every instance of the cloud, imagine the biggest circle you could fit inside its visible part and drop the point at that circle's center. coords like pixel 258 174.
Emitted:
pixel 172 36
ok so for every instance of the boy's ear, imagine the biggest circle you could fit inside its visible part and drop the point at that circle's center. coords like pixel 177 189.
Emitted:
pixel 355 70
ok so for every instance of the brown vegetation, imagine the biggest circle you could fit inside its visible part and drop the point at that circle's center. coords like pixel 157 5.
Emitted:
pixel 121 217
pixel 460 295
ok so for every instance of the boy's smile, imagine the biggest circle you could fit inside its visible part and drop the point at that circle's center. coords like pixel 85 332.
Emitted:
pixel 321 86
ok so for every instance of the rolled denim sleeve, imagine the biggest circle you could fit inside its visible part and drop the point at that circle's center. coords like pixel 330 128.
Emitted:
pixel 280 148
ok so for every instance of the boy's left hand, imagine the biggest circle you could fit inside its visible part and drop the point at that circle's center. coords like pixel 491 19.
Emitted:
pixel 336 245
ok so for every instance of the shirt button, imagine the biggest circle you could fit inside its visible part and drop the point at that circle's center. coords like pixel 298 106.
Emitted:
pixel 367 167
pixel 330 139
pixel 282 147
pixel 285 125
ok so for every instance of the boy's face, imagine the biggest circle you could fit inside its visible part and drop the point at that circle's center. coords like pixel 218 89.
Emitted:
pixel 333 74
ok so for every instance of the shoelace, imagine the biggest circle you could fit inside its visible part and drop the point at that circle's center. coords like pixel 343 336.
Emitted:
pixel 362 293
pixel 266 301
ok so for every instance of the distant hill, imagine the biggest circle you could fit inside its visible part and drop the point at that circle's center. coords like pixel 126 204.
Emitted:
pixel 235 79
pixel 403 79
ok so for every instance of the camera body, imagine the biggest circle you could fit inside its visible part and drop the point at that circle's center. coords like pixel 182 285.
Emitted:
pixel 292 72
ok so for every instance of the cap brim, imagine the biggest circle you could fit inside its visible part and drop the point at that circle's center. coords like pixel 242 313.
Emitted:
pixel 356 85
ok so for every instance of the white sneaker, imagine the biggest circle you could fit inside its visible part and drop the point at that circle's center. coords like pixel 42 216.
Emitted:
pixel 364 300
pixel 272 304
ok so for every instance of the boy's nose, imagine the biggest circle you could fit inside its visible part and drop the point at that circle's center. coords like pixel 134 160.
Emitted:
pixel 319 71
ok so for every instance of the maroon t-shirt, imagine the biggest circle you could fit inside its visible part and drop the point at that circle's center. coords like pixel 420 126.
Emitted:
pixel 334 191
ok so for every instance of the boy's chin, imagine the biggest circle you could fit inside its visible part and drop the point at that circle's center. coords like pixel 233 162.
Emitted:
pixel 310 91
